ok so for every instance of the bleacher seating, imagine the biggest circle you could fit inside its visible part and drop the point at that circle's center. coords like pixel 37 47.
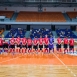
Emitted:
pixel 72 14
pixel 8 14
pixel 16 32
pixel 38 32
pixel 65 32
pixel 40 17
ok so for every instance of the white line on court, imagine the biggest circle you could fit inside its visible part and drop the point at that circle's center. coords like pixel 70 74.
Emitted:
pixel 9 59
pixel 48 65
pixel 65 65
pixel 36 64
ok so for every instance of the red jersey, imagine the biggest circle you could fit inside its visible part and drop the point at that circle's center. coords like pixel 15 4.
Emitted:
pixel 35 41
pixel 24 41
pixel 5 42
pixel 1 41
pixel 12 41
pixel 65 41
pixel 46 41
pixel 18 40
pixel 59 40
pixel 29 41
pixel 71 42
pixel 40 41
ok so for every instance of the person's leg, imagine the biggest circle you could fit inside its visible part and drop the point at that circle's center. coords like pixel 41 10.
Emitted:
pixel 57 48
pixel 60 49
pixel 73 48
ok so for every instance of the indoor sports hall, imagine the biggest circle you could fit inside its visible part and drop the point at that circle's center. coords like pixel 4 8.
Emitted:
pixel 33 21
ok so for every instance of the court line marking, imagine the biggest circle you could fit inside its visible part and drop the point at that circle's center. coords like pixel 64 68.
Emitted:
pixel 36 64
pixel 64 64
pixel 10 59
pixel 51 65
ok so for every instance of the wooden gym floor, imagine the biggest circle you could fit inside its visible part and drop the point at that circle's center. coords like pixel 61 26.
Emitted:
pixel 52 65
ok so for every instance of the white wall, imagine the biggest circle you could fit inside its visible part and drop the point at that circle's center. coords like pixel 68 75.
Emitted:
pixel 62 9
pixel 17 9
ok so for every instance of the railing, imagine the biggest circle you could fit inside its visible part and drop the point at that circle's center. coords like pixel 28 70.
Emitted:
pixel 62 1
pixel 40 0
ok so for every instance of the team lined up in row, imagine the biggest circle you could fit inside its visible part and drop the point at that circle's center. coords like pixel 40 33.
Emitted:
pixel 45 44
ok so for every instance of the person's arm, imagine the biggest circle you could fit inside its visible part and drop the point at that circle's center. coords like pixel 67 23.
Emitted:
pixel 38 43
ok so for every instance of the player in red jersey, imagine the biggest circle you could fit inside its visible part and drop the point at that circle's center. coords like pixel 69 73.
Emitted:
pixel 35 44
pixel 1 44
pixel 5 46
pixel 46 43
pixel 18 43
pixel 71 44
pixel 40 43
pixel 24 44
pixel 29 44
pixel 65 44
pixel 12 44
pixel 59 41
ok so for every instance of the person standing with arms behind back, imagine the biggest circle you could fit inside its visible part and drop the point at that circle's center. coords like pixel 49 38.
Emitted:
pixel 35 44
pixel 24 45
pixel 18 42
pixel 59 41
pixel 51 43
pixel 65 44
pixel 71 45
pixel 40 44
pixel 29 44
pixel 12 44
pixel 46 43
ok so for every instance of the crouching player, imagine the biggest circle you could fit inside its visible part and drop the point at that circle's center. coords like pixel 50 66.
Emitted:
pixel 46 43
pixel 12 45
pixel 51 44
pixel 24 45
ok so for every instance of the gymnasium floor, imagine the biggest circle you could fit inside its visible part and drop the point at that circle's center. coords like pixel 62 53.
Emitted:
pixel 52 65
